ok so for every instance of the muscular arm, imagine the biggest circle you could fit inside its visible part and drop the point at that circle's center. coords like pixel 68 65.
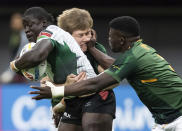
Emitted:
pixel 34 57
pixel 104 60
pixel 77 89
pixel 90 85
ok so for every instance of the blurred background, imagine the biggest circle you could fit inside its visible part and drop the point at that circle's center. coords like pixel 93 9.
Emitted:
pixel 160 22
pixel 161 28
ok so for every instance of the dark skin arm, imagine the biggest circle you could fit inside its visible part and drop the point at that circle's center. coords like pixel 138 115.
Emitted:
pixel 77 89
pixel 88 86
pixel 104 60
pixel 35 56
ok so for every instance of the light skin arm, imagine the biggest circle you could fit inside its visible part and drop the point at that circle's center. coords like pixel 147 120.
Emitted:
pixel 35 56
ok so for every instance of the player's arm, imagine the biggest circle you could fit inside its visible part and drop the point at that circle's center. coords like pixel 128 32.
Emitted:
pixel 83 87
pixel 33 57
pixel 95 84
pixel 104 60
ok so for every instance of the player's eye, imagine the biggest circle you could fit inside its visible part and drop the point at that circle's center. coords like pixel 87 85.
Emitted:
pixel 30 25
pixel 88 33
pixel 80 35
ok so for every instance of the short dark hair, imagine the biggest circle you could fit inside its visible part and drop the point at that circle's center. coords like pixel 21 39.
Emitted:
pixel 39 13
pixel 126 24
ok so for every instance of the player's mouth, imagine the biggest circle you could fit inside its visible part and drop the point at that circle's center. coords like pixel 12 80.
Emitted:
pixel 30 38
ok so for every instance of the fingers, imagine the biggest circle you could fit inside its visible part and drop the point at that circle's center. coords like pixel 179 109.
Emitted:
pixel 36 87
pixel 56 118
pixel 78 77
pixel 42 82
pixel 49 84
pixel 85 77
pixel 71 76
pixel 34 92
pixel 46 78
pixel 81 76
pixel 42 93
pixel 38 97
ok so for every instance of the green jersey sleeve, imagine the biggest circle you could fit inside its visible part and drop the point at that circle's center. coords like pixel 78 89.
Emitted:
pixel 123 67
pixel 100 47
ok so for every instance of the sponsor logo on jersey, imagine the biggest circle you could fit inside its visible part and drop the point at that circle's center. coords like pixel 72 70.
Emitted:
pixel 115 68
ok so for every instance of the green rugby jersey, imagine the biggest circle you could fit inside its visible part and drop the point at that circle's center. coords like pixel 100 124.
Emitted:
pixel 92 60
pixel 66 56
pixel 154 80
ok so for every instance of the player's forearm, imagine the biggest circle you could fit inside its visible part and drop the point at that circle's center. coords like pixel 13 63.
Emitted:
pixel 34 57
pixel 104 60
pixel 28 60
pixel 81 88
pixel 111 87
pixel 77 89
pixel 88 86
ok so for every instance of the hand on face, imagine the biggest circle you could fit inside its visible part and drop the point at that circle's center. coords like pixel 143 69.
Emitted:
pixel 82 37
pixel 91 43
pixel 93 39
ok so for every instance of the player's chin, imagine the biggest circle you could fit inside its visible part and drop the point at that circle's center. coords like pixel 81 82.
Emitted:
pixel 84 48
pixel 31 39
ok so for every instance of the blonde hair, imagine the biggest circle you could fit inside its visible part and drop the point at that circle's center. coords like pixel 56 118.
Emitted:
pixel 74 19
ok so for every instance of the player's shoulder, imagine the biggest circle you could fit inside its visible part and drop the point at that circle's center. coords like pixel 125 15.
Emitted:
pixel 140 48
pixel 53 28
pixel 142 51
pixel 57 31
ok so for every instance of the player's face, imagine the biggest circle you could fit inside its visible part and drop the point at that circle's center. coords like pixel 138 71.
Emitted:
pixel 115 41
pixel 32 27
pixel 82 37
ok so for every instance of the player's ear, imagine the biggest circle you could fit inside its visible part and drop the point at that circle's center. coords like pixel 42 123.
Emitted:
pixel 44 23
pixel 122 39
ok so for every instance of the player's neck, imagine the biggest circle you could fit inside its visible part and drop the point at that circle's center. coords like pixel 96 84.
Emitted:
pixel 129 43
pixel 133 39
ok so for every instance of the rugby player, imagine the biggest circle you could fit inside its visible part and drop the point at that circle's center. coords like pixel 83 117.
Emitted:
pixel 156 83
pixel 95 112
